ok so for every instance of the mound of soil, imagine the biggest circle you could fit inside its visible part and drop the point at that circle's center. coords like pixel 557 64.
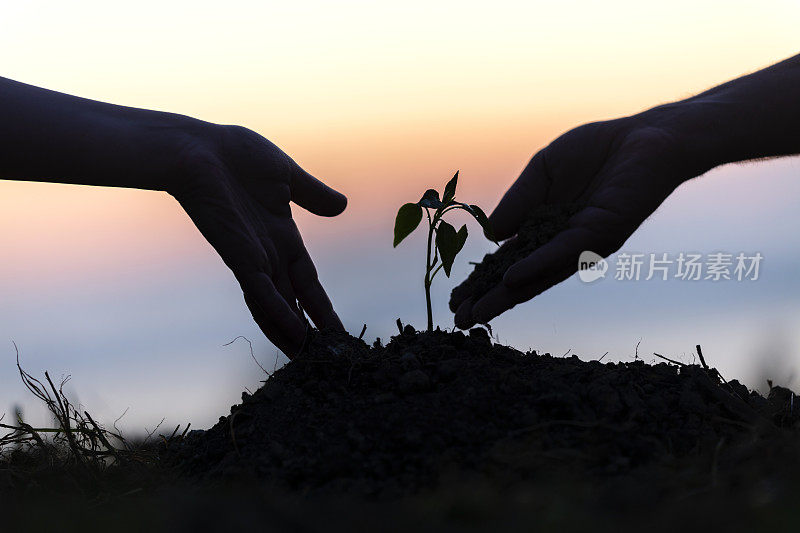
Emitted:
pixel 544 223
pixel 434 408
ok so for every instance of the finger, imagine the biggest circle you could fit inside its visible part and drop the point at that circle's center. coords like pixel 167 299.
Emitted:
pixel 461 293
pixel 526 193
pixel 284 287
pixel 270 331
pixel 274 334
pixel 312 295
pixel 463 315
pixel 498 300
pixel 311 194
pixel 545 267
pixel 529 277
pixel 561 252
pixel 501 298
pixel 593 229
pixel 555 261
pixel 272 313
pixel 458 295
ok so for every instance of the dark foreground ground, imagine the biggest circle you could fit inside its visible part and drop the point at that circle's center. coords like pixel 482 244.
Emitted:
pixel 447 431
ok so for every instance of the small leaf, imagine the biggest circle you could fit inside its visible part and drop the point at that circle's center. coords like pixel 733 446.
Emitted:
pixel 430 199
pixel 462 237
pixel 483 220
pixel 449 244
pixel 408 218
pixel 450 189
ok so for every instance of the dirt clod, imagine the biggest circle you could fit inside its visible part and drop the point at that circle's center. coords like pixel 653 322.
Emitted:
pixel 544 223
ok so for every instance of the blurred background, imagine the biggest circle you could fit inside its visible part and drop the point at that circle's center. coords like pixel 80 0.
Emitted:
pixel 380 100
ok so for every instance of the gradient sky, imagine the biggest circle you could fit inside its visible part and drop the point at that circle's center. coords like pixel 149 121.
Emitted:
pixel 380 100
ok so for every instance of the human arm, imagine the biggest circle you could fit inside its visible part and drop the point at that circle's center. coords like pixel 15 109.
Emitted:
pixel 234 184
pixel 621 170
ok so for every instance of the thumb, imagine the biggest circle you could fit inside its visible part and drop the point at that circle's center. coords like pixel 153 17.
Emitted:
pixel 311 194
pixel 526 193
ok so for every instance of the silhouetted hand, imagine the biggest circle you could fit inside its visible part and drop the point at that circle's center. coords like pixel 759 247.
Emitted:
pixel 237 190
pixel 621 170
pixel 234 184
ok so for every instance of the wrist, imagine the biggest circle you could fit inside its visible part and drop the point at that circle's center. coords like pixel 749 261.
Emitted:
pixel 704 131
pixel 161 144
pixel 752 117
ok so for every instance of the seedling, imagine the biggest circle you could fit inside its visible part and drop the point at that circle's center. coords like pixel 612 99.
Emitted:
pixel 444 242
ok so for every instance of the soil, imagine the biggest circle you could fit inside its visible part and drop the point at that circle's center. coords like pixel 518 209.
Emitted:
pixel 544 223
pixel 443 432
pixel 439 409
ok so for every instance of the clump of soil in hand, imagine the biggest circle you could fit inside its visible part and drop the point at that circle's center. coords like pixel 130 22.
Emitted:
pixel 347 418
pixel 544 223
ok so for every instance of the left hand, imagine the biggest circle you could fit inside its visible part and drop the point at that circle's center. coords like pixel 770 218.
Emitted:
pixel 236 187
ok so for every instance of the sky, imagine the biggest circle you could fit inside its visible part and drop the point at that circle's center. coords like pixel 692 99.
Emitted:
pixel 381 100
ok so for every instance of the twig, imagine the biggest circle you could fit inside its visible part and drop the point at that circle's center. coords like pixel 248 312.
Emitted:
pixel 64 419
pixel 174 432
pixel 252 355
pixel 150 433
pixel 670 360
pixel 120 418
pixel 713 371
pixel 102 437
pixel 702 359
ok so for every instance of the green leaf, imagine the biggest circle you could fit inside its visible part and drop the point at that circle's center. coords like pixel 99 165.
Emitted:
pixel 483 220
pixel 462 237
pixel 449 243
pixel 450 189
pixel 408 218
pixel 430 199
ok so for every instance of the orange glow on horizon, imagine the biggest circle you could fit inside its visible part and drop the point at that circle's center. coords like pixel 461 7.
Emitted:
pixel 380 101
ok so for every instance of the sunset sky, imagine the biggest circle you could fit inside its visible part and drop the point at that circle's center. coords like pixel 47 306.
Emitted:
pixel 380 100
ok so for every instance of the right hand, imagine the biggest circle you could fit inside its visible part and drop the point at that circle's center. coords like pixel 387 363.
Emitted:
pixel 621 170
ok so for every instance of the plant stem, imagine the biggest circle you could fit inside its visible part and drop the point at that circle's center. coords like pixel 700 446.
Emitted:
pixel 428 273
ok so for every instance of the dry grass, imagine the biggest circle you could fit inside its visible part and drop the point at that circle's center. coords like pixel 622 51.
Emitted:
pixel 77 453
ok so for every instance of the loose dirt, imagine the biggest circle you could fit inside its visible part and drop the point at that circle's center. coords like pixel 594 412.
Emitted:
pixel 436 409
pixel 542 225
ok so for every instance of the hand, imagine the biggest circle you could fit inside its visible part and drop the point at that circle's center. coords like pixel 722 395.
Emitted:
pixel 236 187
pixel 621 170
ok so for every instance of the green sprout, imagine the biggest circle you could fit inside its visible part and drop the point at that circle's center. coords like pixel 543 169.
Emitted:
pixel 448 242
